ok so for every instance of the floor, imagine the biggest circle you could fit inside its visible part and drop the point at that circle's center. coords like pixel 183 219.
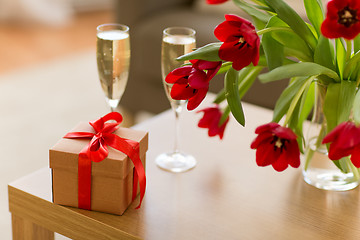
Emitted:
pixel 26 45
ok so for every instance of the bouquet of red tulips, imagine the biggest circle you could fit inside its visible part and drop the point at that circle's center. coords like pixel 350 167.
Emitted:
pixel 325 51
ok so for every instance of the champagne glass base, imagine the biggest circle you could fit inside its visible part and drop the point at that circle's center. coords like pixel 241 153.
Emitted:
pixel 175 162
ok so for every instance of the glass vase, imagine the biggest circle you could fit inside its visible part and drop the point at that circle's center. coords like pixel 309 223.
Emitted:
pixel 318 169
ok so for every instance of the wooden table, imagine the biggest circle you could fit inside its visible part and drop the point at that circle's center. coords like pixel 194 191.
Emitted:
pixel 225 197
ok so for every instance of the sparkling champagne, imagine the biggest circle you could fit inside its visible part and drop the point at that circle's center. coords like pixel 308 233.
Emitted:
pixel 113 60
pixel 174 46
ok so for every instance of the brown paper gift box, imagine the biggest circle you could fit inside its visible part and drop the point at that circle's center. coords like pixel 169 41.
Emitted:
pixel 112 178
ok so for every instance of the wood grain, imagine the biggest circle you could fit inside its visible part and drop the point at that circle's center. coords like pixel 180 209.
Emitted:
pixel 226 196
pixel 26 230
pixel 60 219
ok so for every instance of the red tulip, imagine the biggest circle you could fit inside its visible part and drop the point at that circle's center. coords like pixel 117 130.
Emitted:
pixel 215 1
pixel 211 120
pixel 241 43
pixel 344 141
pixel 192 82
pixel 342 19
pixel 277 146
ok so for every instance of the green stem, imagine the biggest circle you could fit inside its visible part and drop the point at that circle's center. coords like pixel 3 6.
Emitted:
pixel 351 65
pixel 258 2
pixel 358 78
pixel 348 49
pixel 271 29
pixel 296 99
pixel 220 97
pixel 310 152
pixel 224 116
pixel 354 169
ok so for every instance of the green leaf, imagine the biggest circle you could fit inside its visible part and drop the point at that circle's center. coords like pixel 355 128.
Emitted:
pixel 315 13
pixel 307 102
pixel 232 95
pixel 338 103
pixel 274 51
pixel 260 18
pixel 294 120
pixel 262 60
pixel 224 116
pixel 351 65
pixel 356 108
pixel 331 105
pixel 283 103
pixel 293 52
pixel 220 97
pixel 324 53
pixel 355 75
pixel 298 70
pixel 246 81
pixel 341 164
pixel 260 2
pixel 306 105
pixel 224 68
pixel 246 78
pixel 340 56
pixel 293 111
pixel 295 45
pixel 209 52
pixel 289 16
pixel 357 44
pixel 347 96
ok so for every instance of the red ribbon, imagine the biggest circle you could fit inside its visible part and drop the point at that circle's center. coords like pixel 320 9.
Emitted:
pixel 97 150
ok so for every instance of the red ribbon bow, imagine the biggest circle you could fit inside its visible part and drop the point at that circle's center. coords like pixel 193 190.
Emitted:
pixel 97 150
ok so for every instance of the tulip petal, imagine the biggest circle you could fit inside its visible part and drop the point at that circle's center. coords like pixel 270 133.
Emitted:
pixel 264 137
pixel 266 127
pixel 235 18
pixel 215 1
pixel 355 156
pixel 334 133
pixel 195 101
pixel 212 72
pixel 285 133
pixel 336 153
pixel 182 71
pixel 293 154
pixel 265 155
pixel 222 128
pixel 207 65
pixel 280 164
pixel 181 90
pixel 206 120
pixel 197 79
pixel 211 119
pixel 171 78
pixel 214 127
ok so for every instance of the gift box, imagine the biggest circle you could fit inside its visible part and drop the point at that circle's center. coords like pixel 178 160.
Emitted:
pixel 112 179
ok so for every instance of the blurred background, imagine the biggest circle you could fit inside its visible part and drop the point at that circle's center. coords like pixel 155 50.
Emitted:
pixel 34 31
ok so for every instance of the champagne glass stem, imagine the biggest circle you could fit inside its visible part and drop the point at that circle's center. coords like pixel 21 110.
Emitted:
pixel 177 129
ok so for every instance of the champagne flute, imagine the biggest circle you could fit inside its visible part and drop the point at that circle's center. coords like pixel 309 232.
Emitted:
pixel 176 42
pixel 113 60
